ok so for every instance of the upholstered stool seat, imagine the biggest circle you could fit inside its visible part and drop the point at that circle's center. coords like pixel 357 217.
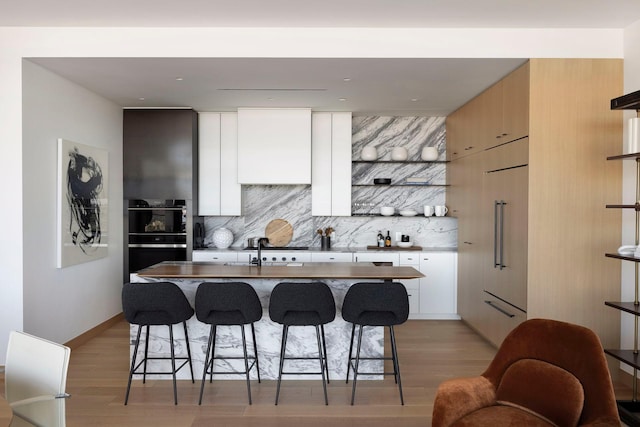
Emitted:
pixel 154 304
pixel 375 304
pixel 303 304
pixel 229 304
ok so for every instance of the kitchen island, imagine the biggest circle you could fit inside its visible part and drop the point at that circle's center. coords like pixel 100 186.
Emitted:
pixel 338 276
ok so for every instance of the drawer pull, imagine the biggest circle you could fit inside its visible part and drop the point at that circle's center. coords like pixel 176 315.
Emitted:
pixel 500 309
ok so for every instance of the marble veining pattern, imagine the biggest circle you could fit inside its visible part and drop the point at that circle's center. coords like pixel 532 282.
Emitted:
pixel 263 203
pixel 301 340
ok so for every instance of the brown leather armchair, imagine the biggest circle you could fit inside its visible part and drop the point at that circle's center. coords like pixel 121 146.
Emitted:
pixel 545 373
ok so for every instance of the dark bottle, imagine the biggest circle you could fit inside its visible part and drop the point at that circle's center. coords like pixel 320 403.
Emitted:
pixel 387 240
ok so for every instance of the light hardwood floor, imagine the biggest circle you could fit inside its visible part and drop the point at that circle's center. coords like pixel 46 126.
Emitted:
pixel 429 352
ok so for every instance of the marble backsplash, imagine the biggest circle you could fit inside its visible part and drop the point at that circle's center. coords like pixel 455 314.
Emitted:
pixel 263 203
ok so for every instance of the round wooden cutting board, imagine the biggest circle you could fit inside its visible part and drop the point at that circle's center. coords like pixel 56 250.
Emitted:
pixel 279 232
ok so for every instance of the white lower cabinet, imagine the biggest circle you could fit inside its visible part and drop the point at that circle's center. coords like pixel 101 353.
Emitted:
pixel 331 257
pixel 392 257
pixel 215 256
pixel 412 259
pixel 438 289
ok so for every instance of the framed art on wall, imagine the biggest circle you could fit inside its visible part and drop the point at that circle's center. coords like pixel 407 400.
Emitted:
pixel 82 203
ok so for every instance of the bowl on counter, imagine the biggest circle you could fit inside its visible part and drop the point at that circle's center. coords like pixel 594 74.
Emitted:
pixel 387 210
pixel 408 212
pixel 404 244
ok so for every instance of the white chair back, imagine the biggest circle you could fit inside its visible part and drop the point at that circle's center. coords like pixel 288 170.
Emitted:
pixel 36 379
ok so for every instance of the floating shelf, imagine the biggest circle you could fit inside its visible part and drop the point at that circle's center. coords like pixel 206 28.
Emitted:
pixel 400 185
pixel 399 161
pixel 627 356
pixel 628 307
pixel 627 258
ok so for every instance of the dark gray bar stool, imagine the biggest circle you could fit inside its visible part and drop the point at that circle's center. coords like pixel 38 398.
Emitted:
pixel 375 304
pixel 303 304
pixel 160 303
pixel 232 303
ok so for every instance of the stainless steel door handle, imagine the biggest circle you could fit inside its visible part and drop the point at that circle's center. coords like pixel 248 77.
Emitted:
pixel 502 205
pixel 495 233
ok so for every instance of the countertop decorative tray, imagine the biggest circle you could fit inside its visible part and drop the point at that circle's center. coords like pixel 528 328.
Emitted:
pixel 395 248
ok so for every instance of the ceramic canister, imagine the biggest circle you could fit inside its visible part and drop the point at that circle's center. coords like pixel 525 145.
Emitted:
pixel 399 153
pixel 429 154
pixel 369 153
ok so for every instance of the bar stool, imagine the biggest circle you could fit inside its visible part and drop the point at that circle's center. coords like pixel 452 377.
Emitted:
pixel 303 304
pixel 375 304
pixel 232 303
pixel 159 303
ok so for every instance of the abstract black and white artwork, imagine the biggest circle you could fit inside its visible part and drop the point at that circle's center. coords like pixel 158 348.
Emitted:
pixel 82 203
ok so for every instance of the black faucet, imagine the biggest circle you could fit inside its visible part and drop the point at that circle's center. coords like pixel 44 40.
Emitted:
pixel 261 241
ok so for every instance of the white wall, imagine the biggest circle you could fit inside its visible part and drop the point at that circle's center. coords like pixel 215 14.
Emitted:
pixel 631 84
pixel 16 43
pixel 60 304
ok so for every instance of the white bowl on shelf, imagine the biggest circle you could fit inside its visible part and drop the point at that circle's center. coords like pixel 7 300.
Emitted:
pixel 408 212
pixel 387 211
pixel 404 244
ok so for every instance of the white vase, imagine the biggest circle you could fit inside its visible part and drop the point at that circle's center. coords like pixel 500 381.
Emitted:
pixel 222 238
pixel 429 154
pixel 369 153
pixel 399 154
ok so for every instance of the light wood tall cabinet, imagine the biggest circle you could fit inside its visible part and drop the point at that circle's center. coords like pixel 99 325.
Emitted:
pixel 543 156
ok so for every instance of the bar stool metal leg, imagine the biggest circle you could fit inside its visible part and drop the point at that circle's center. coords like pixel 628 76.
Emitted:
pixel 186 338
pixel 353 330
pixel 283 346
pixel 396 365
pixel 255 350
pixel 207 362
pixel 246 362
pixel 146 352
pixel 133 364
pixel 173 366
pixel 322 368
pixel 355 367
pixel 324 348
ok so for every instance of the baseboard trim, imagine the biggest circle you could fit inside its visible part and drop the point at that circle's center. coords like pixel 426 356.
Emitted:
pixel 94 332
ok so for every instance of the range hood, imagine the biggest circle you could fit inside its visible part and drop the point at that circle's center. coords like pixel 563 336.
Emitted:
pixel 630 101
pixel 274 145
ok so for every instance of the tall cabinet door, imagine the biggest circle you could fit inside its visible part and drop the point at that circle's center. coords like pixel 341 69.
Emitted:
pixel 471 240
pixel 506 274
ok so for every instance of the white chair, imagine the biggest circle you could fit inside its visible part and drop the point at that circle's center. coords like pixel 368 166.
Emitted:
pixel 35 380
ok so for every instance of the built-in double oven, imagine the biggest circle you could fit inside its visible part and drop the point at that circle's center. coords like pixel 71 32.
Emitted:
pixel 157 231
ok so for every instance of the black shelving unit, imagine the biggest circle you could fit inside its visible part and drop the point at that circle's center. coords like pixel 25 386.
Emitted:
pixel 629 410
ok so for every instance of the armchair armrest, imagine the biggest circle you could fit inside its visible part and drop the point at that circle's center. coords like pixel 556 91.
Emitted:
pixel 458 397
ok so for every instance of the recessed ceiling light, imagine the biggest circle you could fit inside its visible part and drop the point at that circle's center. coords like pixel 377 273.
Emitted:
pixel 269 99
pixel 414 99
pixel 140 99
pixel 347 79
pixel 179 79
pixel 342 99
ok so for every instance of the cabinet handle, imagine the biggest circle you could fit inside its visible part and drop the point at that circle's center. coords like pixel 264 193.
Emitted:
pixel 495 233
pixel 500 309
pixel 468 148
pixel 467 243
pixel 498 234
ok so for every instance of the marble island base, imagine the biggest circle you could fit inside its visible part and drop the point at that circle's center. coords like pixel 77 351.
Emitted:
pixel 300 342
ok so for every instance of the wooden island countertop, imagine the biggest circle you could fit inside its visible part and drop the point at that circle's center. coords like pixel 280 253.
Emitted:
pixel 306 270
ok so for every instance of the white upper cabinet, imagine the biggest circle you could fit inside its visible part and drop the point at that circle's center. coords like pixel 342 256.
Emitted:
pixel 218 190
pixel 274 146
pixel 331 166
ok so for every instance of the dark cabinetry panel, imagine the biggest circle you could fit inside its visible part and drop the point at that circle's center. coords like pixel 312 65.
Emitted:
pixel 160 154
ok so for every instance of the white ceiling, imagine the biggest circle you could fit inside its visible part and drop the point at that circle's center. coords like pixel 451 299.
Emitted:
pixel 377 86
